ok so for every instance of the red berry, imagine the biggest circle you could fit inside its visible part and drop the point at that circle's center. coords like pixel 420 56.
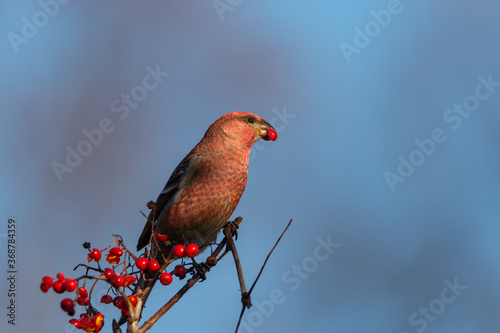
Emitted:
pixel 47 280
pixel 142 263
pixel 180 271
pixel 70 285
pixel 83 301
pixel 133 300
pixel 192 250
pixel 106 299
pixel 129 279
pixel 82 292
pixel 122 305
pixel 60 276
pixel 46 283
pixel 117 300
pixel 109 273
pixel 117 281
pixel 153 265
pixel 160 237
pixel 271 135
pixel 98 320
pixel 76 323
pixel 58 287
pixel 88 326
pixel 67 304
pixel 94 255
pixel 44 287
pixel 179 250
pixel 113 259
pixel 125 313
pixel 97 329
pixel 116 251
pixel 211 261
pixel 165 278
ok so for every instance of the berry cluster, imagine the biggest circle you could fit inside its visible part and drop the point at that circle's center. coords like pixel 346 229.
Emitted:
pixel 122 276
pixel 87 323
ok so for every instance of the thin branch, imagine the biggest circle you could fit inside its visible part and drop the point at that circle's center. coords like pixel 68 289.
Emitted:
pixel 245 298
pixel 151 321
pixel 261 270
pixel 120 242
pixel 116 327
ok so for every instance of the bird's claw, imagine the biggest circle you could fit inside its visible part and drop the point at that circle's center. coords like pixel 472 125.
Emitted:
pixel 233 228
pixel 201 269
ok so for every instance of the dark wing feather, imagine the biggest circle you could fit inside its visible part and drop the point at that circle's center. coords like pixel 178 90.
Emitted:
pixel 169 191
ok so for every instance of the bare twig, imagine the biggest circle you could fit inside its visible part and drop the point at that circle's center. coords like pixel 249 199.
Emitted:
pixel 120 242
pixel 258 276
pixel 245 297
pixel 116 327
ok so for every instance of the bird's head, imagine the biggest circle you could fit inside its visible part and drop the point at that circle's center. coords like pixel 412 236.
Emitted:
pixel 242 127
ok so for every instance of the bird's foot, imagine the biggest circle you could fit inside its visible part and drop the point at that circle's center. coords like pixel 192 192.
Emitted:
pixel 233 228
pixel 201 269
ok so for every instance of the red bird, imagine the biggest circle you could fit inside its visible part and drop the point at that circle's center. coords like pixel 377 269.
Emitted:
pixel 205 188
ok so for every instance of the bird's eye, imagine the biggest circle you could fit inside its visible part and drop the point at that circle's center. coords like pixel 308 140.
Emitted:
pixel 251 120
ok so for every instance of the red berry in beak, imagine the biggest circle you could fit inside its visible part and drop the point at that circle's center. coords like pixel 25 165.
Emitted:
pixel 271 135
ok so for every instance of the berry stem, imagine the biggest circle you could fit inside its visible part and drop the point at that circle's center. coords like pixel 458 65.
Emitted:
pixel 122 245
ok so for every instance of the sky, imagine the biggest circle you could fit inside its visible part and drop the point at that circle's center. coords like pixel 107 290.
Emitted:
pixel 387 156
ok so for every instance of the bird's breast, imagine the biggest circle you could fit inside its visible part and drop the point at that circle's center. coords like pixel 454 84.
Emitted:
pixel 210 197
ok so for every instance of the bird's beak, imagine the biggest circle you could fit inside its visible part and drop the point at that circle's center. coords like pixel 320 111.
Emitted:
pixel 267 131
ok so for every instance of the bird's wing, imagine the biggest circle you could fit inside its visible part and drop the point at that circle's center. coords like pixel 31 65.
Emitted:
pixel 169 192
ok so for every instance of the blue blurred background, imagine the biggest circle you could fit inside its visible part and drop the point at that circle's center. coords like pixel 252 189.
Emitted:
pixel 350 86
